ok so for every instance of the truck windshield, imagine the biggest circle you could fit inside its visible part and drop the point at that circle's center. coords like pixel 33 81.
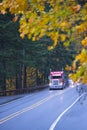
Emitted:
pixel 56 77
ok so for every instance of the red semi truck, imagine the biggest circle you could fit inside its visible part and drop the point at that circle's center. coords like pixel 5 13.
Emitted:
pixel 57 80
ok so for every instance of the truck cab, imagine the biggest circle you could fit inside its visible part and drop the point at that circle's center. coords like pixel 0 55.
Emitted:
pixel 56 80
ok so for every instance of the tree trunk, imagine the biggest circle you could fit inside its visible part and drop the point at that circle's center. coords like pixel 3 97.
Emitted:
pixel 3 76
pixel 37 78
pixel 19 78
pixel 24 77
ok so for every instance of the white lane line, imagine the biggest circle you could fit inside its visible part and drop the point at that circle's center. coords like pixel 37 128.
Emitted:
pixel 60 116
pixel 3 120
pixel 11 101
pixel 15 99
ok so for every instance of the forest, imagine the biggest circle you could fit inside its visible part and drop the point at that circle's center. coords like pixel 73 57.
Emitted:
pixel 39 35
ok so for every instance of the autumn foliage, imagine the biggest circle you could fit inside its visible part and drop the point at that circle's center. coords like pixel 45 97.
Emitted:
pixel 62 20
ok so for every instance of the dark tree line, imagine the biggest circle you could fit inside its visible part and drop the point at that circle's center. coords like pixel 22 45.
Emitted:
pixel 17 55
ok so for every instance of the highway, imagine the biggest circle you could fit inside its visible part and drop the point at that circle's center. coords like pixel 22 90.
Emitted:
pixel 36 111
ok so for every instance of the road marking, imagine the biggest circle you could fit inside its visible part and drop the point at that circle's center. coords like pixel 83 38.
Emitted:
pixel 15 99
pixel 11 101
pixel 3 120
pixel 60 116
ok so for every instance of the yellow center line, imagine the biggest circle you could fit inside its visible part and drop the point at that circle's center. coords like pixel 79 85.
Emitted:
pixel 3 120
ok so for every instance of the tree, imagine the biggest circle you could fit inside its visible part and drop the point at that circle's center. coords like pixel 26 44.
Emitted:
pixel 63 21
pixel 4 38
pixel 36 21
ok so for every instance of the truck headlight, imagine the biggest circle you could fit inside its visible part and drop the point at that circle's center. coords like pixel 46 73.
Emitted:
pixel 50 84
pixel 61 83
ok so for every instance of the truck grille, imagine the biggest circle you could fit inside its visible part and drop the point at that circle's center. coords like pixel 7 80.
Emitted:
pixel 55 82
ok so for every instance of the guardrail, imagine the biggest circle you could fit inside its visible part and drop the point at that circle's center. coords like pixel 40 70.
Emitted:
pixel 23 90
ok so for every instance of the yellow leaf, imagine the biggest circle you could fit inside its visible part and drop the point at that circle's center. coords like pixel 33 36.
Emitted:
pixel 50 48
pixel 33 30
pixel 76 8
pixel 67 44
pixel 33 38
pixel 31 20
pixel 84 42
pixel 68 68
pixel 82 57
pixel 63 37
pixel 15 18
pixel 80 28
pixel 22 35
pixel 74 65
pixel 63 24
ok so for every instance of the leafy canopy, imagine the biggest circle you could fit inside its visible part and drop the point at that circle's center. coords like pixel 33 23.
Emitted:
pixel 62 20
pixel 53 18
